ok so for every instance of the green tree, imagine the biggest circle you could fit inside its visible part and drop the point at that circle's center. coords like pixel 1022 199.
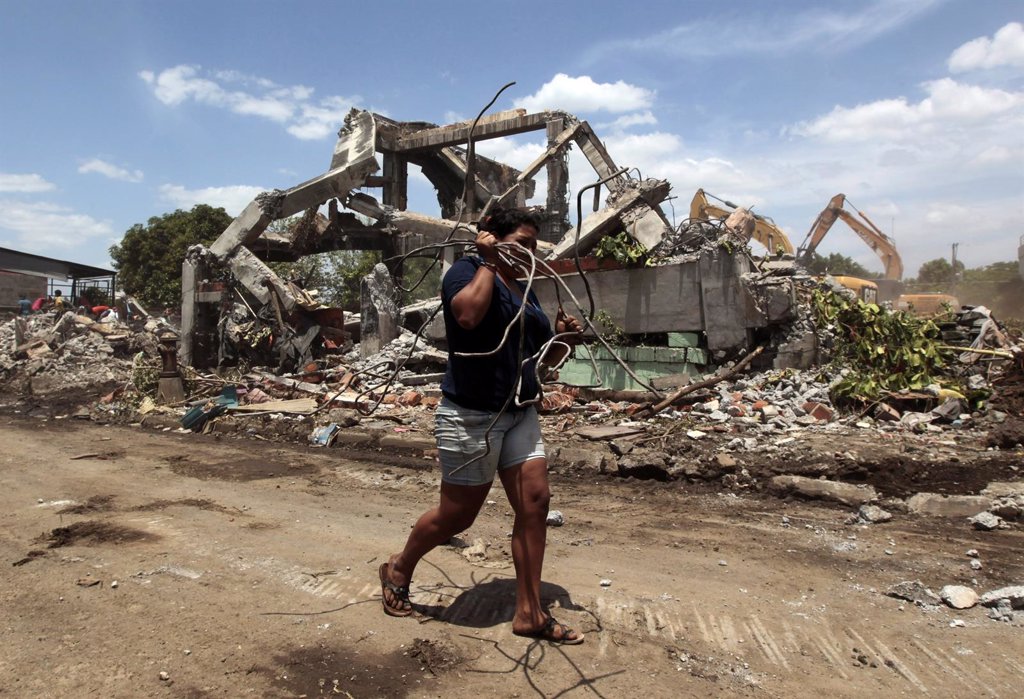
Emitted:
pixel 995 272
pixel 335 275
pixel 938 271
pixel 148 259
pixel 839 264
pixel 997 286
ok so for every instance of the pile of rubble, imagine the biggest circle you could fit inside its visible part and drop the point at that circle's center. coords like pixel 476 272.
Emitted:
pixel 72 356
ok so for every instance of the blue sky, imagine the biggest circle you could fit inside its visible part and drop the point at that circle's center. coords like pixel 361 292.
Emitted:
pixel 114 112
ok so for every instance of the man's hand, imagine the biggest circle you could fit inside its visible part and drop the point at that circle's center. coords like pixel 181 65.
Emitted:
pixel 487 247
pixel 565 323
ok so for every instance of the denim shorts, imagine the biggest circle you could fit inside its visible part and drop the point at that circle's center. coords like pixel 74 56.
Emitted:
pixel 460 433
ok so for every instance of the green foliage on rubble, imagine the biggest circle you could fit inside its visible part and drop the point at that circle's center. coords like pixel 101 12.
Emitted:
pixel 624 249
pixel 883 351
pixel 145 375
pixel 610 330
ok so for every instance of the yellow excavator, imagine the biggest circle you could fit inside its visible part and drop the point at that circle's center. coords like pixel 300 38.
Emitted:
pixel 883 245
pixel 765 230
pixel 886 289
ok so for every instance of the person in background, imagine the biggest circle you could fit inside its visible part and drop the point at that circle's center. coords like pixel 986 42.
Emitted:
pixel 60 304
pixel 38 304
pixel 24 305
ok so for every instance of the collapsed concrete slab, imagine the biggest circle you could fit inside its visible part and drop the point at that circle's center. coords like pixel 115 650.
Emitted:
pixel 631 209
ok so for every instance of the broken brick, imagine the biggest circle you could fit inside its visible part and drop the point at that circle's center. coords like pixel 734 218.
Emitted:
pixel 818 411
pixel 410 398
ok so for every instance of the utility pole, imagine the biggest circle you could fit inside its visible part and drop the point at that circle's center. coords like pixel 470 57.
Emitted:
pixel 952 281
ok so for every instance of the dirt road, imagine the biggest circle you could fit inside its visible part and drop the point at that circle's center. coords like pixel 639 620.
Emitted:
pixel 245 568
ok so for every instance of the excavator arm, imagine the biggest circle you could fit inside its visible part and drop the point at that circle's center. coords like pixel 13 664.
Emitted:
pixel 883 245
pixel 765 230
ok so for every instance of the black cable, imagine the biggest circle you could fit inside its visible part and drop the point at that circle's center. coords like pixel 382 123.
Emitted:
pixel 579 229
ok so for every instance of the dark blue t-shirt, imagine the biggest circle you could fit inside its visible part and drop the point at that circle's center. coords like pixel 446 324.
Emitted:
pixel 484 383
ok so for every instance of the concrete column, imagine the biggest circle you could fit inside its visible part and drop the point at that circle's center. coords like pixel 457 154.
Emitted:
pixel 558 179
pixel 396 181
pixel 189 308
pixel 380 316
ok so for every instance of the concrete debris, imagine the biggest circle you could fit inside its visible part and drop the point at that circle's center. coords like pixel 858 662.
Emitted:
pixel 475 552
pixel 1002 611
pixel 914 591
pixel 958 596
pixel 555 518
pixel 1008 500
pixel 379 311
pixel 69 354
pixel 873 514
pixel 986 521
pixel 645 464
pixel 939 505
pixel 1014 594
pixel 845 493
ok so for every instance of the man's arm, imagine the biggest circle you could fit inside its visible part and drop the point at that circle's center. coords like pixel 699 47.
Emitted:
pixel 470 304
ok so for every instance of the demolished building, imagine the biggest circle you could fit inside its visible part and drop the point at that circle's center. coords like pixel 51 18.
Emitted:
pixel 715 291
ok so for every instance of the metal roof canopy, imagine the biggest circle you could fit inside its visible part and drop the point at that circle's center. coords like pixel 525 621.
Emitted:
pixel 37 265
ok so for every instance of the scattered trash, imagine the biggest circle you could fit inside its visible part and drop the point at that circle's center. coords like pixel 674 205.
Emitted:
pixel 324 435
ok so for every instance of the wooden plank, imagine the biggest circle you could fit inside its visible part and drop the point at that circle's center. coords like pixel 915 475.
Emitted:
pixel 598 432
pixel 297 406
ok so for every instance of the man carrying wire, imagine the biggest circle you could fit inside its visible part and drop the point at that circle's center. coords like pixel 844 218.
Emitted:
pixel 499 342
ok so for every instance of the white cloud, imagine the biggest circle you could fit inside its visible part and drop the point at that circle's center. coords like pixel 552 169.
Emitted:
pixel 175 85
pixel 317 122
pixel 997 154
pixel 11 182
pixel 948 106
pixel 948 213
pixel 1006 48
pixel 509 150
pixel 233 198
pixel 110 170
pixel 756 32
pixel 291 105
pixel 44 226
pixel 644 118
pixel 583 94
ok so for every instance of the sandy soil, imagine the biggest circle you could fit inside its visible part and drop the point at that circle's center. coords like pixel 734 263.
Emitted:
pixel 247 568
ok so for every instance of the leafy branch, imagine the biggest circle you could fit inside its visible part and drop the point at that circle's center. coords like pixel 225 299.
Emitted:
pixel 881 351
pixel 623 248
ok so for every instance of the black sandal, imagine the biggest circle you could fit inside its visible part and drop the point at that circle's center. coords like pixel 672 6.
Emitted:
pixel 399 594
pixel 553 632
